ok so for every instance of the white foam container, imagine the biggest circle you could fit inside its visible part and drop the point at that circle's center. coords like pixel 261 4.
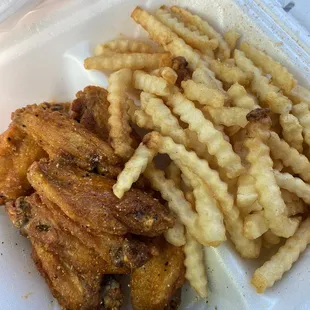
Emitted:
pixel 41 59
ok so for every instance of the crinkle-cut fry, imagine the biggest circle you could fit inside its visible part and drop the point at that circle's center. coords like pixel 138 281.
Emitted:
pixel 188 190
pixel 282 261
pixel 150 83
pixel 176 200
pixel 118 121
pixel 280 75
pixel 194 38
pixel 176 234
pixel 101 50
pixel 162 118
pixel 134 61
pixel 241 98
pixel 270 239
pixel 204 27
pixel 254 207
pixel 268 191
pixel 266 92
pixel 173 173
pixel 246 193
pixel 277 164
pixel 133 169
pixel 294 205
pixel 232 37
pixel 195 266
pixel 128 46
pixel 301 111
pixel 139 117
pixel 255 225
pixel 289 156
pixel 294 185
pixel 204 95
pixel 292 131
pixel 228 116
pixel 300 93
pixel 167 74
pixel 205 76
pixel 230 74
pixel 231 131
pixel 210 218
pixel 207 134
pixel 233 222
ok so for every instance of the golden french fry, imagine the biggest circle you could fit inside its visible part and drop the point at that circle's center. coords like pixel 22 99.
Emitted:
pixel 176 234
pixel 255 225
pixel 173 173
pixel 167 74
pixel 268 191
pixel 294 205
pixel 207 134
pixel 101 50
pixel 277 164
pixel 241 98
pixel 120 129
pixel 139 117
pixel 294 185
pixel 193 38
pixel 270 239
pixel 134 61
pixel 301 111
pixel 282 261
pixel 280 76
pixel 128 46
pixel 230 74
pixel 133 169
pixel 299 93
pixel 150 83
pixel 289 156
pixel 246 193
pixel 205 76
pixel 188 190
pixel 228 116
pixel 204 95
pixel 232 37
pixel 195 266
pixel 204 27
pixel 252 208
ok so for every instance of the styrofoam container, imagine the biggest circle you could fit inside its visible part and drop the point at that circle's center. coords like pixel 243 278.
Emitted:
pixel 41 59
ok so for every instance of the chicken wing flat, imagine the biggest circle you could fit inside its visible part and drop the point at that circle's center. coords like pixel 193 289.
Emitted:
pixel 154 285
pixel 88 199
pixel 61 136
pixel 90 108
pixel 17 152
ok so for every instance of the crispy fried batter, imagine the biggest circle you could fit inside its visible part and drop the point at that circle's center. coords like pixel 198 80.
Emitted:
pixel 89 200
pixel 111 294
pixel 66 138
pixel 17 152
pixel 90 108
pixel 154 284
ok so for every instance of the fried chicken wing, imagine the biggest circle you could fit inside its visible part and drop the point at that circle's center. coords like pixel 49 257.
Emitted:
pixel 153 286
pixel 111 294
pixel 88 199
pixel 17 152
pixel 61 136
pixel 90 108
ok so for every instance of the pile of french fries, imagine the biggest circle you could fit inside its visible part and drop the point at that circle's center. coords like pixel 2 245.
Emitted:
pixel 236 126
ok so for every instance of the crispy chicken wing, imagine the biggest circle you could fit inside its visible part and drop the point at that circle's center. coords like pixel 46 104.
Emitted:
pixel 61 136
pixel 154 285
pixel 88 199
pixel 17 152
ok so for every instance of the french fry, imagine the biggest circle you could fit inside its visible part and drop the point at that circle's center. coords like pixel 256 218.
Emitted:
pixel 210 217
pixel 300 93
pixel 255 225
pixel 118 121
pixel 241 98
pixel 289 156
pixel 270 239
pixel 232 37
pixel 205 76
pixel 204 27
pixel 280 76
pixel 101 50
pixel 301 111
pixel 230 74
pixel 294 205
pixel 139 117
pixel 133 169
pixel 246 193
pixel 176 234
pixel 294 185
pixel 282 261
pixel 268 191
pixel 193 38
pixel 204 95
pixel 233 222
pixel 188 190
pixel 266 92
pixel 292 130
pixel 207 134
pixel 167 74
pixel 195 266
pixel 252 208
pixel 228 116
pixel 173 173
pixel 149 83
pixel 128 46
pixel 277 164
